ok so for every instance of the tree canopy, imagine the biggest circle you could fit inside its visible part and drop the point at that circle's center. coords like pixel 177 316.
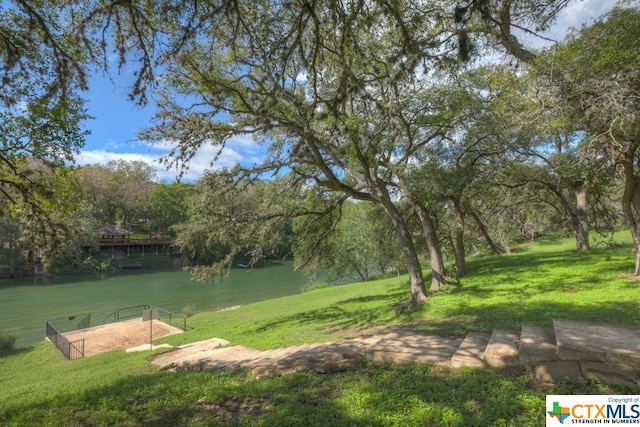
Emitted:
pixel 343 94
pixel 385 103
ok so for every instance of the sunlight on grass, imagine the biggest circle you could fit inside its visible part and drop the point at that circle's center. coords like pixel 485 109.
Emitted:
pixel 536 286
pixel 541 282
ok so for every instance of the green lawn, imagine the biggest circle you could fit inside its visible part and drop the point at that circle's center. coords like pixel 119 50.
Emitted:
pixel 535 284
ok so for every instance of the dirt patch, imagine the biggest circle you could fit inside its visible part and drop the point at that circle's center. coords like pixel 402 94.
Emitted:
pixel 231 410
pixel 121 335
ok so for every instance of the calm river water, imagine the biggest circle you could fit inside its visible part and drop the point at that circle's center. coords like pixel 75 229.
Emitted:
pixel 25 305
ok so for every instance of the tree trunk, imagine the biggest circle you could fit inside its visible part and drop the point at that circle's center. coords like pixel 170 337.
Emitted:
pixel 416 279
pixel 487 237
pixel 438 276
pixel 631 213
pixel 631 197
pixel 458 244
pixel 363 277
pixel 581 226
pixel 382 269
pixel 578 214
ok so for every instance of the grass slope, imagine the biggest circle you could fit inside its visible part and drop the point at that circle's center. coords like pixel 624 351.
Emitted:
pixel 534 285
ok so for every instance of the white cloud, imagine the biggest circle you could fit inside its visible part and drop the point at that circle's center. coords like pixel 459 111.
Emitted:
pixel 577 13
pixel 103 156
pixel 581 12
pixel 241 149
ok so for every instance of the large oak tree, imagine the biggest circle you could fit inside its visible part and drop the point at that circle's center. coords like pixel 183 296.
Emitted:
pixel 328 86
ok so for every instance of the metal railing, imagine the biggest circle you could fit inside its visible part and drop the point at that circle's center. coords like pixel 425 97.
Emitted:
pixel 71 323
pixel 111 318
pixel 134 312
pixel 127 313
pixel 57 327
pixel 169 318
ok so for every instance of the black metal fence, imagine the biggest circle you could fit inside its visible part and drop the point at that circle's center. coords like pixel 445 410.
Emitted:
pixel 75 349
pixel 57 327
pixel 175 320
pixel 127 313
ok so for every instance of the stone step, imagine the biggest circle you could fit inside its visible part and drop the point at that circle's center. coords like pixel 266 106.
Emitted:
pixel 189 351
pixel 503 348
pixel 411 347
pixel 558 370
pixel 471 351
pixel 537 344
pixel 323 359
pixel 226 358
pixel 318 357
pixel 572 349
pixel 350 348
pixel 610 374
pixel 598 342
pixel 268 360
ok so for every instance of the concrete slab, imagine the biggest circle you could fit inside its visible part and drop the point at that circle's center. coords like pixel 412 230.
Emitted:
pixel 205 344
pixel 537 344
pixel 598 342
pixel 503 348
pixel 120 335
pixel 411 347
pixel 147 347
pixel 551 372
pixel 471 351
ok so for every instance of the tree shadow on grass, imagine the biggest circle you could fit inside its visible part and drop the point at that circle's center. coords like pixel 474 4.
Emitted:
pixel 468 308
pixel 370 396
pixel 501 292
pixel 546 261
pixel 14 351
pixel 535 288
pixel 356 314
pixel 359 316
pixel 513 316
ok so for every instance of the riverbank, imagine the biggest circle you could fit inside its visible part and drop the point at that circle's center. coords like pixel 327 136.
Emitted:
pixel 534 285
pixel 26 305
pixel 103 263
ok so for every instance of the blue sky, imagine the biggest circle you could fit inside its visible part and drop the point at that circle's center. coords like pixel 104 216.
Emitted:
pixel 117 120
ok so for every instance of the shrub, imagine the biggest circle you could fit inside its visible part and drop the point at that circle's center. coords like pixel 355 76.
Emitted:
pixel 188 310
pixel 7 342
pixel 313 286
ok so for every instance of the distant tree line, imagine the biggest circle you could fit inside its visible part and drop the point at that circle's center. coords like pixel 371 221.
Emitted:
pixel 209 222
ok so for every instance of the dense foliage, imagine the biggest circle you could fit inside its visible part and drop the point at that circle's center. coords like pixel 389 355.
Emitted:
pixel 386 104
